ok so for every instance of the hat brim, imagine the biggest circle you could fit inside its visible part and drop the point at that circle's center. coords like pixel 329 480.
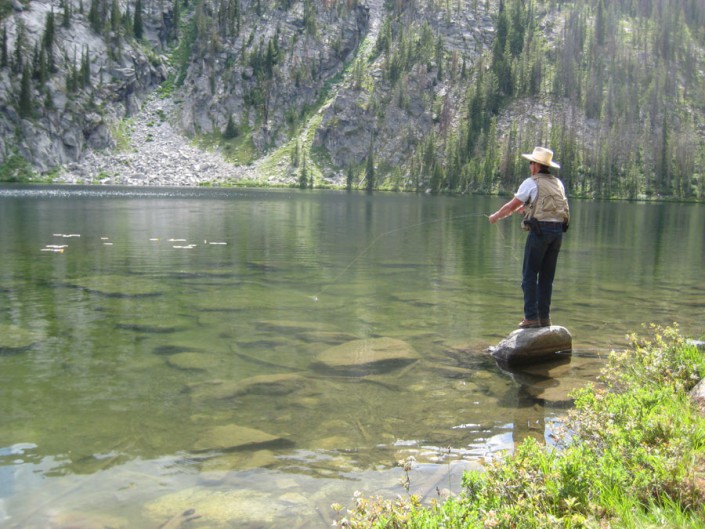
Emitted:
pixel 531 158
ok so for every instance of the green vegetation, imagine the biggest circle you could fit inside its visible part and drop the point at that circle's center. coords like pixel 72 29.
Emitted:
pixel 622 71
pixel 16 169
pixel 632 455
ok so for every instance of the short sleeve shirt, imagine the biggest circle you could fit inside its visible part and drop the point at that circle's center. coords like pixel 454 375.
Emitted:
pixel 527 190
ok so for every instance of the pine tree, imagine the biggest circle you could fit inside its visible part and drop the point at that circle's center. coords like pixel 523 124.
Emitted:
pixel 303 175
pixel 4 58
pixel 94 16
pixel 115 17
pixel 177 18
pixel 231 130
pixel 370 171
pixel 49 31
pixel 600 23
pixel 25 102
pixel 66 18
pixel 349 178
pixel 85 72
pixel 137 24
pixel 518 29
pixel 18 64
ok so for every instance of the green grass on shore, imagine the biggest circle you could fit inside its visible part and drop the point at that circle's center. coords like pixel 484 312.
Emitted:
pixel 632 455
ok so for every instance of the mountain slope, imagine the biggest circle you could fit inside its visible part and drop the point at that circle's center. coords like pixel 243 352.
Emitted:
pixel 406 94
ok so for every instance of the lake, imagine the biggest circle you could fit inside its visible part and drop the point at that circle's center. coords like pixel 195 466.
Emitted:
pixel 141 326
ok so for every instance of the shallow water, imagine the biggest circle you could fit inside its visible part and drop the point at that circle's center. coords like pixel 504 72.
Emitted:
pixel 136 310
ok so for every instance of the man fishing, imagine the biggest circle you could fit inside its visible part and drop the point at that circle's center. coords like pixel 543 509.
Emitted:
pixel 542 199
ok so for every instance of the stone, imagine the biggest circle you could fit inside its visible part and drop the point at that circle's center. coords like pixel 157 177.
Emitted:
pixel 118 286
pixel 14 339
pixel 700 344
pixel 194 361
pixel 527 346
pixel 85 520
pixel 221 508
pixel 234 437
pixel 365 357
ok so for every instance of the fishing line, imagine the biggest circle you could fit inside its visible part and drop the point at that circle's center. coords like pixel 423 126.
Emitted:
pixel 514 253
pixel 384 234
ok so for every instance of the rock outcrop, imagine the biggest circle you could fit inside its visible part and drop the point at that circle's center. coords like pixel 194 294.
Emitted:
pixel 527 346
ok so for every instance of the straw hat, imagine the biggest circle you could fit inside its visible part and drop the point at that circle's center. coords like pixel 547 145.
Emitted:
pixel 543 156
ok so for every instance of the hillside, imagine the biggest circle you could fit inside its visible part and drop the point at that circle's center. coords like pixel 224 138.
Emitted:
pixel 428 95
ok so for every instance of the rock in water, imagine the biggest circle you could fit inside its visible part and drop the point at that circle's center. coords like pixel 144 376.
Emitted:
pixel 234 437
pixel 527 346
pixel 364 357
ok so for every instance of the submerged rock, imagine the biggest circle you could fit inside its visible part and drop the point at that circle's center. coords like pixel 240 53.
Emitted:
pixel 526 346
pixel 276 384
pixel 220 508
pixel 239 461
pixel 84 520
pixel 364 357
pixel 234 437
pixel 14 339
pixel 118 286
pixel 194 361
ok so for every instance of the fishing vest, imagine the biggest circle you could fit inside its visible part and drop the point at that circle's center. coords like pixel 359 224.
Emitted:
pixel 551 202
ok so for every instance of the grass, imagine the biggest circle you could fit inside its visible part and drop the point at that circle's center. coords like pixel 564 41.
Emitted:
pixel 632 455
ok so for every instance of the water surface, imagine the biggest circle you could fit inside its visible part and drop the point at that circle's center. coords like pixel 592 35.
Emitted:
pixel 134 308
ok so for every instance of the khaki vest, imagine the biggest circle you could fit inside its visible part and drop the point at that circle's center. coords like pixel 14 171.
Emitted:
pixel 551 202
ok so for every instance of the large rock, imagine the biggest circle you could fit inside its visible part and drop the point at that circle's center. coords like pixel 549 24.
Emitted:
pixel 527 346
pixel 235 437
pixel 364 357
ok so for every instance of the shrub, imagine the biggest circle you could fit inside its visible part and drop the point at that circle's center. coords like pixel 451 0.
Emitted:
pixel 632 454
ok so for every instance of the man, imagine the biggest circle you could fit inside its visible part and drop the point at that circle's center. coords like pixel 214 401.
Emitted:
pixel 546 216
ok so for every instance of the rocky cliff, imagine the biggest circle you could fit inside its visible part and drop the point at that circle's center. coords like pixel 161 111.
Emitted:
pixel 266 70
pixel 401 94
pixel 79 84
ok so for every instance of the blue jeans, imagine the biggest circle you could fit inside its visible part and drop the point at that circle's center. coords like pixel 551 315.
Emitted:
pixel 540 258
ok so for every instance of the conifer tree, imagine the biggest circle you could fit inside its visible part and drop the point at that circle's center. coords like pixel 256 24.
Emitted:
pixel 94 15
pixel 18 64
pixel 518 28
pixel 25 102
pixel 138 24
pixel 177 17
pixel 370 171
pixel 230 129
pixel 66 18
pixel 85 73
pixel 115 17
pixel 349 178
pixel 4 59
pixel 49 31
pixel 303 175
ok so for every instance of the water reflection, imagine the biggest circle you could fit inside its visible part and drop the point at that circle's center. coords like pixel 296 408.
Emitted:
pixel 128 356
